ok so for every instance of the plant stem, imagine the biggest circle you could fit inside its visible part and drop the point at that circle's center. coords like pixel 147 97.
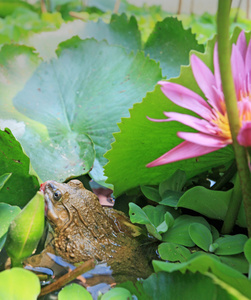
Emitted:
pixel 224 50
pixel 229 174
pixel 233 207
pixel 85 267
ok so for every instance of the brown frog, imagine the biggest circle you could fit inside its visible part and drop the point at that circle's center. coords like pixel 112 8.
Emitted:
pixel 83 229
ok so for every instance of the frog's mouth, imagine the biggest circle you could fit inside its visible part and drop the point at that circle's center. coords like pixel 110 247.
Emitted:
pixel 42 188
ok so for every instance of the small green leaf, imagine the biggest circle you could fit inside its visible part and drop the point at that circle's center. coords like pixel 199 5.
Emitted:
pixel 215 232
pixel 174 183
pixel 171 198
pixel 162 227
pixel 21 185
pixel 153 231
pixel 74 292
pixel 151 193
pixel 237 262
pixel 179 233
pixel 173 252
pixel 230 244
pixel 26 230
pixel 7 214
pixel 210 203
pixel 213 247
pixel 157 219
pixel 4 178
pixel 17 284
pixel 117 293
pixel 200 235
pixel 247 250
pixel 156 214
pixel 137 215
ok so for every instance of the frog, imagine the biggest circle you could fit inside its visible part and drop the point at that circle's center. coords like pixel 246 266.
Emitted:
pixel 83 229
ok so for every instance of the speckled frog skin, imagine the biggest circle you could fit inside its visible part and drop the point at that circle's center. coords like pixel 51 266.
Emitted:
pixel 83 229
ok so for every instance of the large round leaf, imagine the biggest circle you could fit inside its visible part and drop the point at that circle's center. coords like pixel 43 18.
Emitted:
pixel 17 284
pixel 142 141
pixel 170 44
pixel 79 98
pixel 120 31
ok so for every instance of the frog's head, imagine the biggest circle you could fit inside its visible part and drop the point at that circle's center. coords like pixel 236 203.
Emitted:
pixel 62 200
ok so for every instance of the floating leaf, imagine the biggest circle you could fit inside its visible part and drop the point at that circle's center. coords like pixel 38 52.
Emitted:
pixel 21 185
pixel 230 244
pixel 120 31
pixel 18 283
pixel 26 230
pixel 173 252
pixel 200 235
pixel 166 45
pixel 117 293
pixel 140 140
pixel 7 214
pixel 79 108
pixel 74 292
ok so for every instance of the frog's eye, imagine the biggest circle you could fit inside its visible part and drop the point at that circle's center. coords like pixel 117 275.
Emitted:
pixel 57 195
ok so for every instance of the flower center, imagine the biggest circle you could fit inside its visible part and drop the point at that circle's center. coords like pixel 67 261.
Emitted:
pixel 221 122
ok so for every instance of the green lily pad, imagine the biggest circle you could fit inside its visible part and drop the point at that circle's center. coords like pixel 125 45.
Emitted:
pixel 200 235
pixel 18 283
pixel 7 214
pixel 79 98
pixel 21 185
pixel 120 31
pixel 170 44
pixel 173 252
pixel 140 140
pixel 117 293
pixel 230 244
pixel 74 292
pixel 25 230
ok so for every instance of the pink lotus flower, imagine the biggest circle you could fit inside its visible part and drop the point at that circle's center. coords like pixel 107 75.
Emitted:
pixel 213 127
